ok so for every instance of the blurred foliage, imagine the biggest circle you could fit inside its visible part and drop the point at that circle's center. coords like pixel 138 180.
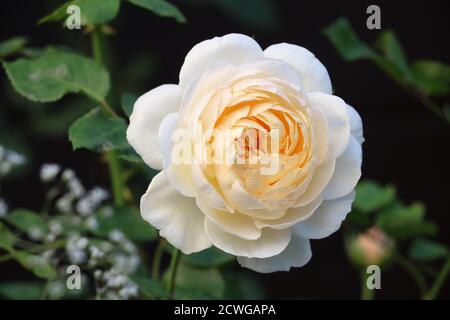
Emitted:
pixel 11 46
pixel 382 230
pixel 424 79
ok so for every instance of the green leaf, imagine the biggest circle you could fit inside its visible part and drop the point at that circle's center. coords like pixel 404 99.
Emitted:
pixel 161 8
pixel 402 222
pixel 56 73
pixel 346 41
pixel 211 257
pixel 432 77
pixel 37 264
pixel 371 197
pixel 398 214
pixel 11 46
pixel 391 69
pixel 7 238
pixel 26 220
pixel 91 11
pixel 99 132
pixel 127 220
pixel 393 51
pixel 195 283
pixel 427 250
pixel 149 288
pixel 127 103
pixel 22 290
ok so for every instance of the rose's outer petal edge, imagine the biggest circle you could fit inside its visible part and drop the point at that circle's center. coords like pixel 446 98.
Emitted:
pixel 177 218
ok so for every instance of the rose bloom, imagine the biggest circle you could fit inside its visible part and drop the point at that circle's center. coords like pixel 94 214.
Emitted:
pixel 229 84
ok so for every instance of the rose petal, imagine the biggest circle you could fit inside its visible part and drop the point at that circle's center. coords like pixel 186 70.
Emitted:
pixel 234 48
pixel 335 109
pixel 346 173
pixel 148 112
pixel 177 217
pixel 356 125
pixel 235 223
pixel 207 191
pixel 297 254
pixel 273 68
pixel 326 219
pixel 314 75
pixel 292 216
pixel 178 172
pixel 321 178
pixel 271 242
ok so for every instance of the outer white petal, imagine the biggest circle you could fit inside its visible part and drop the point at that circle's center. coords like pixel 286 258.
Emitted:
pixel 177 217
pixel 234 48
pixel 178 174
pixel 235 223
pixel 271 242
pixel 314 74
pixel 356 125
pixel 335 110
pixel 346 173
pixel 148 112
pixel 326 219
pixel 297 254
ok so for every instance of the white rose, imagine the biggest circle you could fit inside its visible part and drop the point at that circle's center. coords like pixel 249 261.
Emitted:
pixel 266 220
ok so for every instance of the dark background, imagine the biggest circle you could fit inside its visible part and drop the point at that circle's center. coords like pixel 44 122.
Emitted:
pixel 405 143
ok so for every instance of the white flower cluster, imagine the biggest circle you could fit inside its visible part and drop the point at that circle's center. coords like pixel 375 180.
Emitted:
pixel 76 248
pixel 113 262
pixel 9 159
pixel 85 202
pixel 49 171
pixel 114 283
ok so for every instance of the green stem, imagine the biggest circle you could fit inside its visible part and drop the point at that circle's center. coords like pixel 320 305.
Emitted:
pixel 173 272
pixel 113 161
pixel 366 293
pixel 439 281
pixel 97 47
pixel 423 98
pixel 116 179
pixel 413 271
pixel 157 258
